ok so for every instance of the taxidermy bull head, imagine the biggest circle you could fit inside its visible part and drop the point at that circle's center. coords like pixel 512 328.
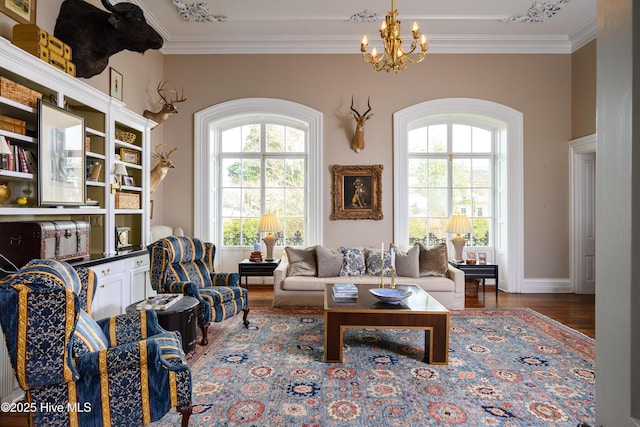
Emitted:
pixel 94 35
pixel 357 143
pixel 168 107
pixel 161 168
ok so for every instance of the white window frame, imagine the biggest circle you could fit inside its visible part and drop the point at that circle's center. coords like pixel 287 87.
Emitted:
pixel 206 176
pixel 508 176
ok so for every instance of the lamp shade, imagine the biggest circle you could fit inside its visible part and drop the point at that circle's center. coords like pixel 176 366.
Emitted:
pixel 120 169
pixel 458 224
pixel 269 222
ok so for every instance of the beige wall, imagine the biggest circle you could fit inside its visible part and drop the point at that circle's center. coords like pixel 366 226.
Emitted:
pixel 537 85
pixel 545 88
pixel 583 91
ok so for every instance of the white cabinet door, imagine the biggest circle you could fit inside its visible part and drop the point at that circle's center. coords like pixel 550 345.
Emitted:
pixel 112 295
pixel 140 278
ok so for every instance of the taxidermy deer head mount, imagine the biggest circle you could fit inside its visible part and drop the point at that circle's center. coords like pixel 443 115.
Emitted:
pixel 168 106
pixel 357 143
pixel 161 168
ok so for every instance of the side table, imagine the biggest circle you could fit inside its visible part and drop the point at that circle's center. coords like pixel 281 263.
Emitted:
pixel 180 317
pixel 248 268
pixel 479 271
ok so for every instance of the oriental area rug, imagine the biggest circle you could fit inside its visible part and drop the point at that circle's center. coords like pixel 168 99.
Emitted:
pixel 507 367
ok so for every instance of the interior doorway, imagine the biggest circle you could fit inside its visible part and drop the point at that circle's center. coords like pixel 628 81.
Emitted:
pixel 583 214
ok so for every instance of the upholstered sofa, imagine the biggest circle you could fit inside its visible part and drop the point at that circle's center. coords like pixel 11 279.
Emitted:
pixel 300 278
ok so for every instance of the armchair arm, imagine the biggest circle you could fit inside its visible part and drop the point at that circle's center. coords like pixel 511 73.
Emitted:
pixel 126 357
pixel 187 288
pixel 129 327
pixel 225 279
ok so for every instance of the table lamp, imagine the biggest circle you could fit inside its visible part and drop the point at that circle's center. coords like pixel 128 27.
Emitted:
pixel 269 223
pixel 458 224
pixel 119 171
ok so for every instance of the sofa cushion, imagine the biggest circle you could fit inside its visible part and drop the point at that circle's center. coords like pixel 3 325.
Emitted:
pixel 433 260
pixel 407 263
pixel 306 283
pixel 374 264
pixel 302 262
pixel 329 261
pixel 352 262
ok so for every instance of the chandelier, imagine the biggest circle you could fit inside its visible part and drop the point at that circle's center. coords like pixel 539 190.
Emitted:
pixel 394 56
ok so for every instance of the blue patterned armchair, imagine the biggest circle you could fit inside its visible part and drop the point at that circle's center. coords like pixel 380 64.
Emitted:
pixel 122 371
pixel 182 264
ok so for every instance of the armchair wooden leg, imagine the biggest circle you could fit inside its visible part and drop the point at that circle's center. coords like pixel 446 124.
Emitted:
pixel 244 317
pixel 204 328
pixel 186 411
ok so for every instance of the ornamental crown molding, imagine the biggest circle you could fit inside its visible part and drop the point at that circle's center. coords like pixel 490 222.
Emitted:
pixel 366 16
pixel 540 11
pixel 197 12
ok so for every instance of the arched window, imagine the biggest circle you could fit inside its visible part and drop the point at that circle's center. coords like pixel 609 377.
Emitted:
pixel 256 156
pixel 450 172
pixel 461 156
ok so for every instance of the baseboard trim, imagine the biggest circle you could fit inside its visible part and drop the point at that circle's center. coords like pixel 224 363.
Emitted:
pixel 547 286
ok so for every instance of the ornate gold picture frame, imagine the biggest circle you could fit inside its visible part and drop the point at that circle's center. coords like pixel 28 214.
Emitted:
pixel 357 192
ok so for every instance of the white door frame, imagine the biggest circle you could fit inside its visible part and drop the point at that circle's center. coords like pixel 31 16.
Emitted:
pixel 578 192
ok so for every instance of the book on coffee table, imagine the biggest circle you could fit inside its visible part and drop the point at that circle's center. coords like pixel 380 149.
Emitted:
pixel 345 292
pixel 159 302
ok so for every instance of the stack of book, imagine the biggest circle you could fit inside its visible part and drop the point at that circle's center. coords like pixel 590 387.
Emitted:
pixel 344 292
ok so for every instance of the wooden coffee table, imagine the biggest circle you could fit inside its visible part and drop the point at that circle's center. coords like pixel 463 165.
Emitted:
pixel 419 311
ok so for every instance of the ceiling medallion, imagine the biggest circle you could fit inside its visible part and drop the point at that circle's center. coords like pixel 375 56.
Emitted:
pixel 197 12
pixel 394 57
pixel 540 11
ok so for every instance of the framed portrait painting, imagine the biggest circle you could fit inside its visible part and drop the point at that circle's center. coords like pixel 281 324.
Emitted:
pixel 357 192
pixel 61 161
pixel 23 11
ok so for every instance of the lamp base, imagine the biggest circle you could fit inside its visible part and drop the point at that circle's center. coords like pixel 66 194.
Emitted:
pixel 458 243
pixel 269 241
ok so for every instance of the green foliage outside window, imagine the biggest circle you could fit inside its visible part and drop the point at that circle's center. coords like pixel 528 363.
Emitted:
pixel 259 177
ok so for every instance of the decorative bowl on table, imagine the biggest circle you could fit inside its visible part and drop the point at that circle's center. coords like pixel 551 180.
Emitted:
pixel 390 296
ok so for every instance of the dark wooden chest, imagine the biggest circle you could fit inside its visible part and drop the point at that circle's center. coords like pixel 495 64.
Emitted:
pixel 21 242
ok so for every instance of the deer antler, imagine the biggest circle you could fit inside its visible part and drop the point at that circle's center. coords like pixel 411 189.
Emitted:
pixel 162 154
pixel 161 89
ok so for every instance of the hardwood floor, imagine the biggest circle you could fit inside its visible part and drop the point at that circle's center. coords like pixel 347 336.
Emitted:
pixel 575 311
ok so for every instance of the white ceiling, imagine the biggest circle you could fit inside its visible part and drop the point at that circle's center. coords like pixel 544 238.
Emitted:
pixel 322 26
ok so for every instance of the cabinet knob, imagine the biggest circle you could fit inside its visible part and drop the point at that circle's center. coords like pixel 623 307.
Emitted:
pixel 101 286
pixel 105 272
pixel 139 262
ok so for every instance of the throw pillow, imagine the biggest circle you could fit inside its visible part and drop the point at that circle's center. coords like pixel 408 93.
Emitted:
pixel 329 261
pixel 302 262
pixel 434 260
pixel 408 263
pixel 352 262
pixel 374 264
